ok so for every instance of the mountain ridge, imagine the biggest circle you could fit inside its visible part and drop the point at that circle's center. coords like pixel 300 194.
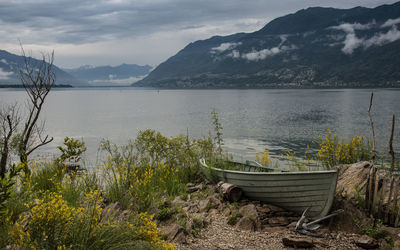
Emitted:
pixel 10 64
pixel 313 47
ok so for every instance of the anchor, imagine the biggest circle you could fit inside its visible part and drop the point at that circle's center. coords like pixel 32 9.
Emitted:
pixel 308 228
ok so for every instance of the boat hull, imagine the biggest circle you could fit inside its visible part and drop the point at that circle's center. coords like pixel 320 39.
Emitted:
pixel 294 191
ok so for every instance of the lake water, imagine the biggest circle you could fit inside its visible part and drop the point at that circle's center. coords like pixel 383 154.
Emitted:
pixel 251 119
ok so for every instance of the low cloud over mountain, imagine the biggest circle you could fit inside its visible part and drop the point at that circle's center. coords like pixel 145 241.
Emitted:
pixel 124 74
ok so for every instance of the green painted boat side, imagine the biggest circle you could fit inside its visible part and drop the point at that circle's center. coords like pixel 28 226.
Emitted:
pixel 294 191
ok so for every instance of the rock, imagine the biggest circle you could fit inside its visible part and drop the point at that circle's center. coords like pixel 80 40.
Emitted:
pixel 174 232
pixel 191 209
pixel 263 209
pixel 278 221
pixel 396 244
pixel 393 232
pixel 227 211
pixel 274 209
pixel 292 225
pixel 245 223
pixel 208 203
pixel 180 237
pixel 191 188
pixel 298 242
pixel 274 229
pixel 351 176
pixel 249 211
pixel 366 242
pixel 113 212
pixel 178 202
pixel 213 212
pixel 205 205
pixel 293 219
pixel 198 221
pixel 202 219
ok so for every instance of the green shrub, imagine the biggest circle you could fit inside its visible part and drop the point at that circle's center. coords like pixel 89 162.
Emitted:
pixel 376 231
pixel 72 150
pixel 165 214
pixel 234 217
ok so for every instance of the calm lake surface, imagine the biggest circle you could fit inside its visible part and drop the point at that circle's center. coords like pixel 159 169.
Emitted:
pixel 251 119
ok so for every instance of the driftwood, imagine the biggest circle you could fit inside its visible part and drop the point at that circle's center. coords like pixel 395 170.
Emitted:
pixel 229 191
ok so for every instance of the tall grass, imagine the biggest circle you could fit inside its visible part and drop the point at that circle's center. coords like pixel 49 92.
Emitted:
pixel 151 167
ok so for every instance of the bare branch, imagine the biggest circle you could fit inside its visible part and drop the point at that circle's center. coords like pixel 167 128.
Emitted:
pixel 38 78
pixel 46 140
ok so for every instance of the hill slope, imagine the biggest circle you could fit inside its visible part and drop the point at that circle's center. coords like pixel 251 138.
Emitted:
pixel 314 47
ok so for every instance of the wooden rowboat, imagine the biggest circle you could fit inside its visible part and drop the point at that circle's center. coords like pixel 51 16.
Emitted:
pixel 294 191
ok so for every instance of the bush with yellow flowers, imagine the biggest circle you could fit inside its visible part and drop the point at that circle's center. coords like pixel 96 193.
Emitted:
pixel 47 225
pixel 333 151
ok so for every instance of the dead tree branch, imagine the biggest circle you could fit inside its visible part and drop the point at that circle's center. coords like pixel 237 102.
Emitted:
pixel 38 78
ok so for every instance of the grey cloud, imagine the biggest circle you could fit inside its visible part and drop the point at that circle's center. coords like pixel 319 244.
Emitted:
pixel 391 22
pixel 256 55
pixel 80 21
pixel 77 23
pixel 352 27
pixel 224 46
pixel 261 55
pixel 87 21
pixel 383 38
pixel 5 75
pixel 353 42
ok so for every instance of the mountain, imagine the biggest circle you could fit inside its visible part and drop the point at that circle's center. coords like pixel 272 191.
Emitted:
pixel 10 64
pixel 122 74
pixel 314 47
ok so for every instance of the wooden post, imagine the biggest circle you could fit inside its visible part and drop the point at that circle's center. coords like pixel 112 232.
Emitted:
pixel 375 192
pixel 386 219
pixel 396 213
pixel 368 189
pixel 395 200
pixel 382 198
pixel 372 128
pixel 371 179
pixel 391 146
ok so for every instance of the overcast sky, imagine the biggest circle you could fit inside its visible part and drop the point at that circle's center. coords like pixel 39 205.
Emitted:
pixel 111 32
